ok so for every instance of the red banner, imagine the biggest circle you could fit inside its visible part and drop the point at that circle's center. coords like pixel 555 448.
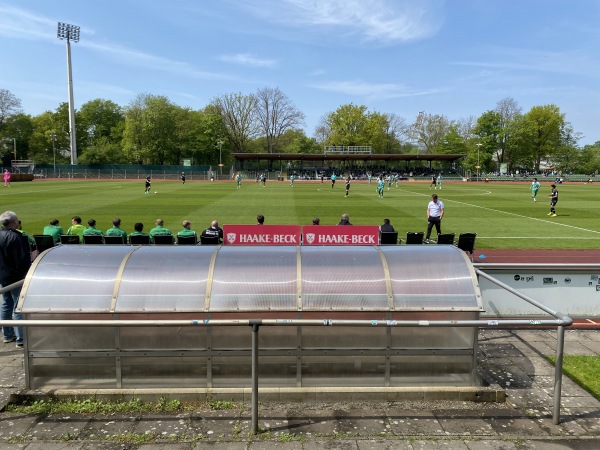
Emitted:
pixel 340 235
pixel 261 234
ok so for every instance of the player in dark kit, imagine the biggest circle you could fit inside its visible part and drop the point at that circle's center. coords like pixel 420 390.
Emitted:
pixel 348 179
pixel 182 177
pixel 147 191
pixel 553 200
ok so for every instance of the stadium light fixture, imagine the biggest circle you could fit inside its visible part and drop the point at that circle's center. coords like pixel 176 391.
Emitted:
pixel 70 33
pixel 479 144
pixel 14 140
pixel 53 137
pixel 220 144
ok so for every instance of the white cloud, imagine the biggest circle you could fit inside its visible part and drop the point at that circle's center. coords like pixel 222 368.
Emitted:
pixel 372 20
pixel 247 59
pixel 370 91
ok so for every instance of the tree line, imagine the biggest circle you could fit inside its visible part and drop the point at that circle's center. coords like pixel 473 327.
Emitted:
pixel 151 129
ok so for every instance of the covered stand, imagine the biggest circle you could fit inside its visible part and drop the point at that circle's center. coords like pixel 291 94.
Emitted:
pixel 203 284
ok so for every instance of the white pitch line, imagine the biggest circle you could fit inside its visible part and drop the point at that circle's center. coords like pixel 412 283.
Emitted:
pixel 513 214
pixel 529 238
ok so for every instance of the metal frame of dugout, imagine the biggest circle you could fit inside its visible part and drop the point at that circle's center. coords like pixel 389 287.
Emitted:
pixel 211 287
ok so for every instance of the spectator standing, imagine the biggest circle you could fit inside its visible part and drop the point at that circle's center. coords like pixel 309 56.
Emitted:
pixel 435 212
pixel 15 260
pixel 116 229
pixel 54 230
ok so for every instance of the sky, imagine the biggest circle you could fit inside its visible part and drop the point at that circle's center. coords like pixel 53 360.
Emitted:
pixel 456 58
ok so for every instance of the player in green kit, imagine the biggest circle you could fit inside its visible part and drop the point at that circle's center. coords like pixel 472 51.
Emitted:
pixel 535 187
pixel 380 186
pixel 238 179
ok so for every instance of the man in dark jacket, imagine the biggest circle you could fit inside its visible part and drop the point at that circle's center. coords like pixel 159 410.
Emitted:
pixel 15 260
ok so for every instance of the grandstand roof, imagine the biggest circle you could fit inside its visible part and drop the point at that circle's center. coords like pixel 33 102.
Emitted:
pixel 345 157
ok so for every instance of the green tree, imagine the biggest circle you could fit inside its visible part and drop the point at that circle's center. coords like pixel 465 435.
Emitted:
pixel 429 130
pixel 541 132
pixel 276 114
pixel 150 135
pixel 238 112
pixel 590 159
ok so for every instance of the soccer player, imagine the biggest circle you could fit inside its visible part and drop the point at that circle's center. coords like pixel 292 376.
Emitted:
pixel 553 200
pixel 76 228
pixel 6 178
pixel 54 230
pixel 333 177
pixel 91 229
pixel 348 180
pixel 292 178
pixel 535 187
pixel 187 229
pixel 380 185
pixel 139 227
pixel 182 177
pixel 238 179
pixel 433 182
pixel 439 181
pixel 116 229
pixel 389 181
pixel 147 191
pixel 159 229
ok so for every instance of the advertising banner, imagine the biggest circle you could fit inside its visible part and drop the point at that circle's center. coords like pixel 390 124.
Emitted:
pixel 340 235
pixel 261 234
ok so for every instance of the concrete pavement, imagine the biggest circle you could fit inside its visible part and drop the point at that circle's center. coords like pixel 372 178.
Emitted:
pixel 512 359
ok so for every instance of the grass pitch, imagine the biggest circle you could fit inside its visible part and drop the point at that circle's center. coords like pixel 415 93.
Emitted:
pixel 503 215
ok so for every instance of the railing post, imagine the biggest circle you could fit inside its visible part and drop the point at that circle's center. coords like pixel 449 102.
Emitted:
pixel 560 344
pixel 255 326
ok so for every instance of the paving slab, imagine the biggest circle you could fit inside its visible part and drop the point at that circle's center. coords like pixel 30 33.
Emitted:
pixel 437 444
pixel 464 422
pixel 415 423
pixel 108 427
pixel 492 445
pixel 383 445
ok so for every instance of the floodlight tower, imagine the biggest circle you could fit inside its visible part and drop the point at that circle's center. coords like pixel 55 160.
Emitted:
pixel 70 33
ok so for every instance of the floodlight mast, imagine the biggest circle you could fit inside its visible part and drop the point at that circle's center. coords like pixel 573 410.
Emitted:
pixel 70 33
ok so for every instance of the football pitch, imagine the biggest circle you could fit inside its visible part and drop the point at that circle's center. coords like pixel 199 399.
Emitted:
pixel 503 215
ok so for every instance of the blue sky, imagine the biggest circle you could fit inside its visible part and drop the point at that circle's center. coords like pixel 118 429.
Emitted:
pixel 452 57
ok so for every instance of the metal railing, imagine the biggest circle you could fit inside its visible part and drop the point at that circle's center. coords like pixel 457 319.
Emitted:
pixel 560 322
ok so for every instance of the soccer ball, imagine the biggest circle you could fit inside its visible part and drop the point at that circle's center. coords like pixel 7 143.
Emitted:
pixel 156 192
